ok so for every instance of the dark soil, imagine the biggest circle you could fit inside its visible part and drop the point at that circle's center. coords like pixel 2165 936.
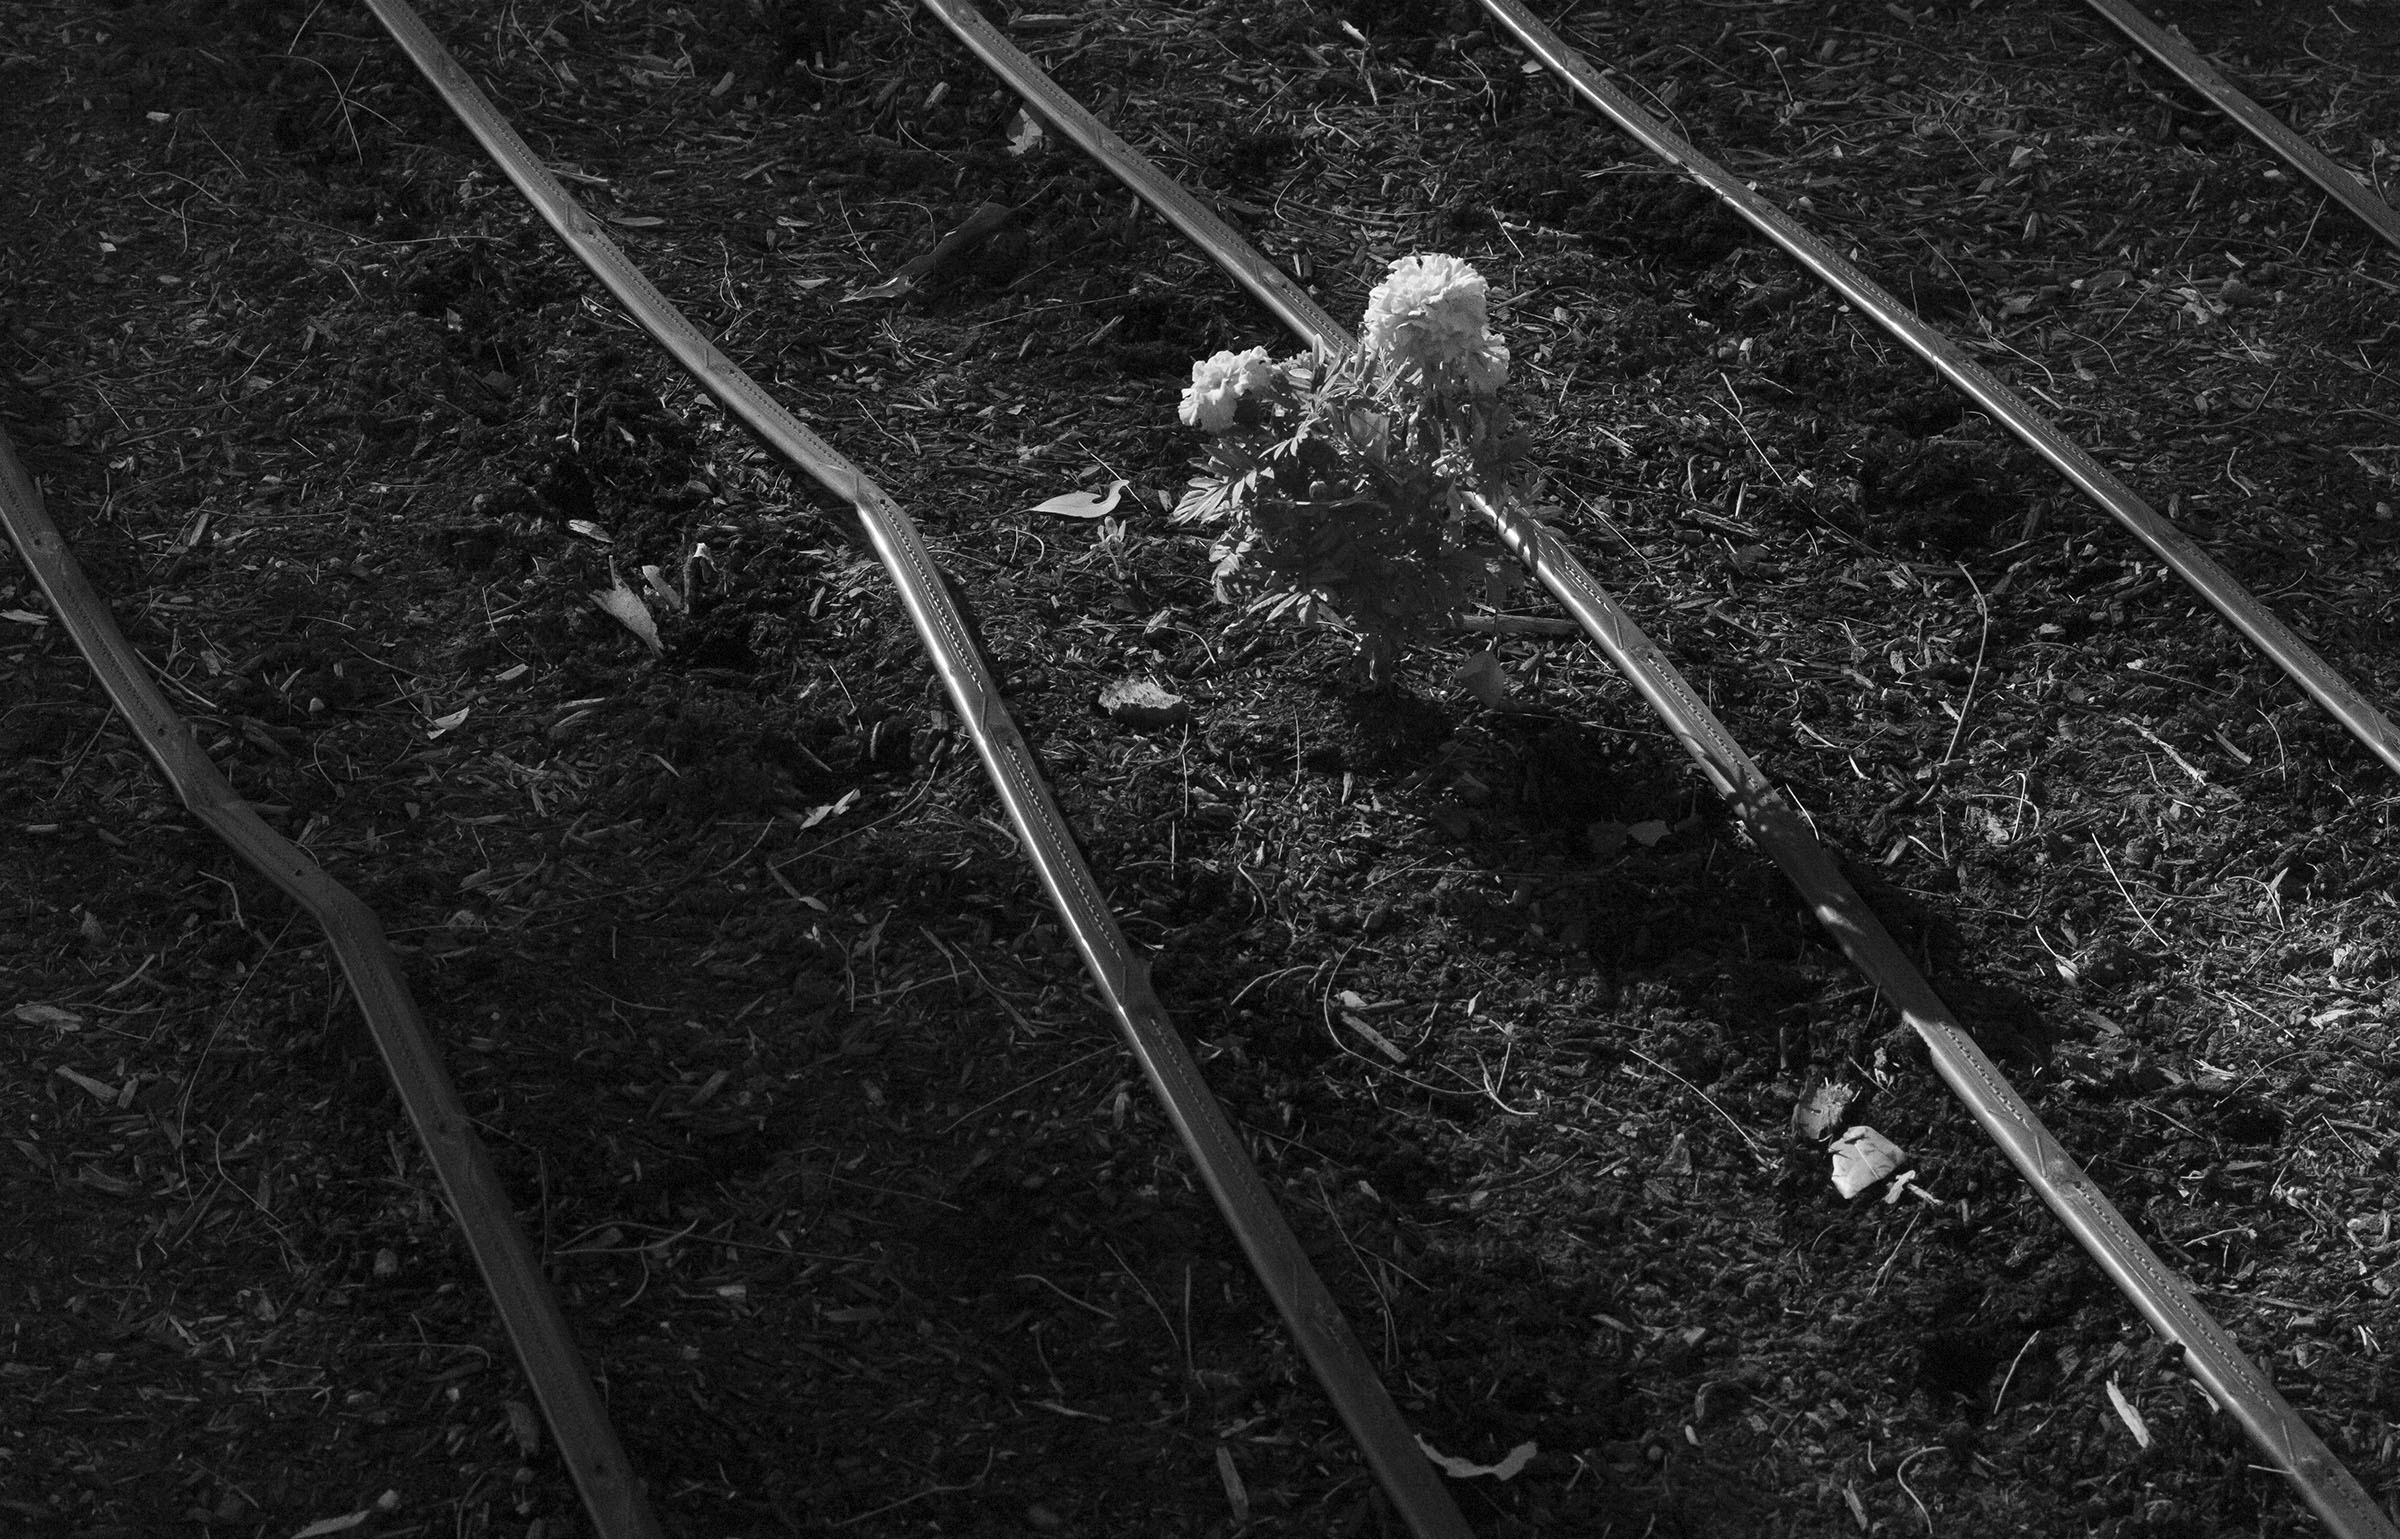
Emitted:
pixel 864 1218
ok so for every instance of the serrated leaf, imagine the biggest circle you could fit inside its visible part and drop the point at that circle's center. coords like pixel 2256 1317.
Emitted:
pixel 1084 504
pixel 1206 497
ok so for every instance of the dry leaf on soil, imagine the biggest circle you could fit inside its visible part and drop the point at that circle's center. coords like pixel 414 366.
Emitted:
pixel 1862 1157
pixel 1466 1469
pixel 1382 1043
pixel 1025 133
pixel 1820 1112
pixel 818 815
pixel 1140 703
pixel 2131 1417
pixel 1084 504
pixel 661 589
pixel 625 606
pixel 1480 676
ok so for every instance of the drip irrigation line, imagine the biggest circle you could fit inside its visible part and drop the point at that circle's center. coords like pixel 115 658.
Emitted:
pixel 529 1311
pixel 1778 828
pixel 1323 1336
pixel 2170 48
pixel 2176 549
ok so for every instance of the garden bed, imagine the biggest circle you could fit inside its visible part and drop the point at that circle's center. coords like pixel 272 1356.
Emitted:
pixel 863 1216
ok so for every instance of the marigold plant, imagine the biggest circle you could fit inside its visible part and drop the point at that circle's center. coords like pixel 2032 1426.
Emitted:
pixel 1340 486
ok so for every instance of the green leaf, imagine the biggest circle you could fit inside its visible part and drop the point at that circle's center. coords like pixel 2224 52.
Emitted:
pixel 1205 498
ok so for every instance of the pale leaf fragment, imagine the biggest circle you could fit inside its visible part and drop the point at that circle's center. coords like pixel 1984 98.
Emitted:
pixel 1985 822
pixel 1648 832
pixel 661 589
pixel 2131 1417
pixel 1140 703
pixel 1025 133
pixel 818 815
pixel 625 606
pixel 1467 1469
pixel 1862 1157
pixel 50 1016
pixel 341 1525
pixel 1084 504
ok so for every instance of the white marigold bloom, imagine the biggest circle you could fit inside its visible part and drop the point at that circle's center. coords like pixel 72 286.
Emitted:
pixel 1427 302
pixel 1428 319
pixel 1218 385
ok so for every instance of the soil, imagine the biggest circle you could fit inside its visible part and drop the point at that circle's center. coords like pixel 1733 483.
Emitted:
pixel 860 1211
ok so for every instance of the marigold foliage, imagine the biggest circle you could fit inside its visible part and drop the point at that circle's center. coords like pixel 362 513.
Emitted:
pixel 1339 486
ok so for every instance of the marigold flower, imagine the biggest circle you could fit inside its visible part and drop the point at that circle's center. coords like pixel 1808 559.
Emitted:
pixel 1427 321
pixel 1218 385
